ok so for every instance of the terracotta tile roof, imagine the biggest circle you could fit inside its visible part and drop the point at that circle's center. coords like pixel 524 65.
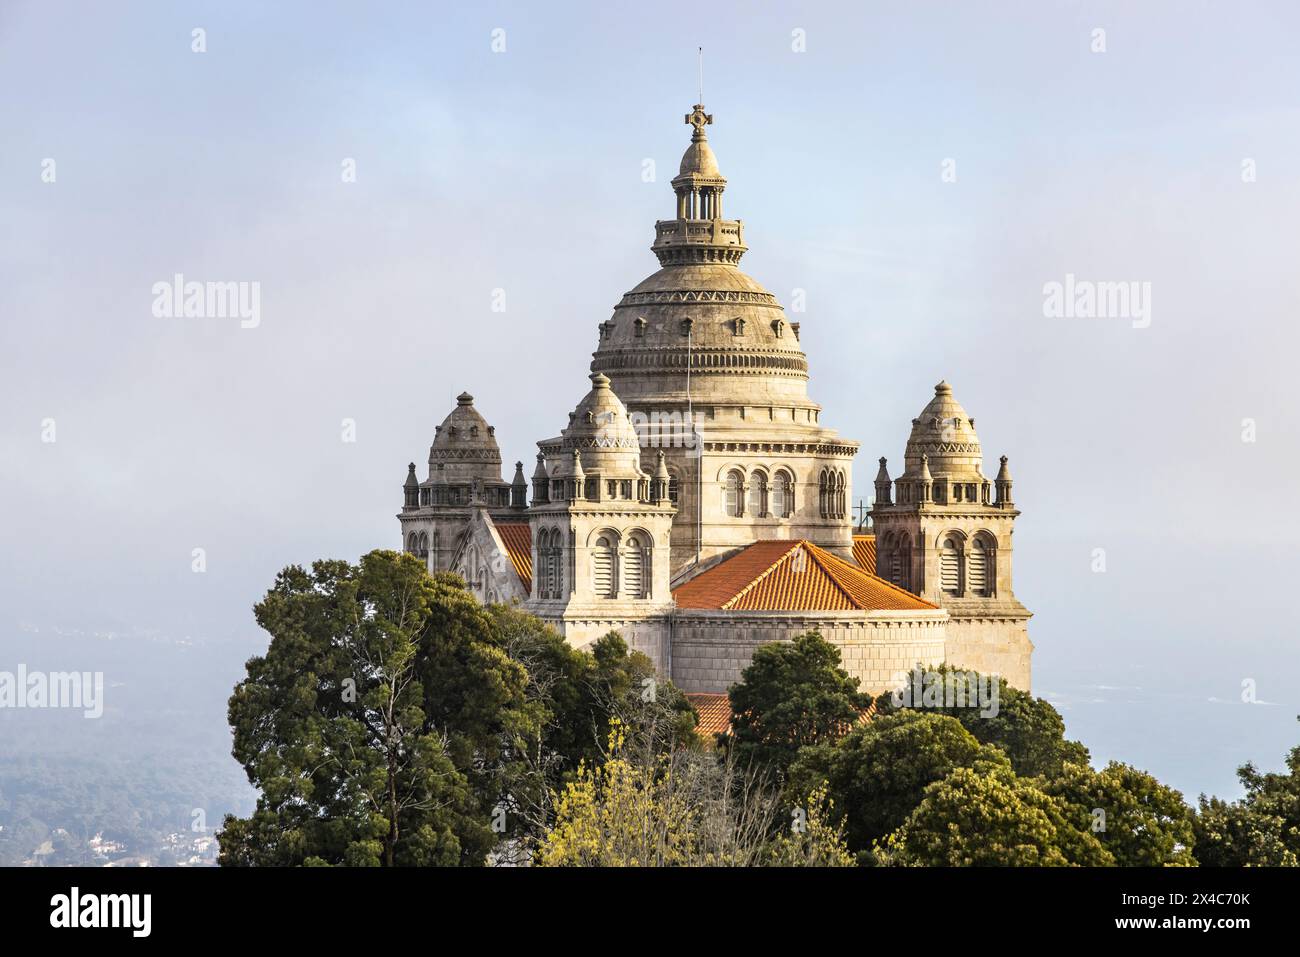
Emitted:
pixel 864 551
pixel 792 576
pixel 518 540
pixel 714 711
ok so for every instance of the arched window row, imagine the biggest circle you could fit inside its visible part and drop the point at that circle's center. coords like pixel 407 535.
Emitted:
pixel 757 496
pixel 968 569
pixel 417 543
pixel 549 573
pixel 621 565
pixel 832 493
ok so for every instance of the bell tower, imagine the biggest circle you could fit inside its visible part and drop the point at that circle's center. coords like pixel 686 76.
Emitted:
pixel 943 531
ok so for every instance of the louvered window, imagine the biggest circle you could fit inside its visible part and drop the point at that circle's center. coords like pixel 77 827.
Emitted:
pixel 950 567
pixel 980 573
pixel 634 560
pixel 602 568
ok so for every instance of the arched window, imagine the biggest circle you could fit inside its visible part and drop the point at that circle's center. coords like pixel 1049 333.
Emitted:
pixel 550 573
pixel 782 497
pixel 542 572
pixel 950 566
pixel 733 500
pixel 758 494
pixel 602 568
pixel 412 543
pixel 634 567
pixel 841 495
pixel 981 576
pixel 422 549
pixel 824 493
pixel 893 559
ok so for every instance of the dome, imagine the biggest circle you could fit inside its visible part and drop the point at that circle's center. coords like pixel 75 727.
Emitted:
pixel 699 160
pixel 464 446
pixel 946 434
pixel 601 430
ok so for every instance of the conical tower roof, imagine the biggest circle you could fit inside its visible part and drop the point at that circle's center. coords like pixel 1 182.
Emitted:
pixel 946 434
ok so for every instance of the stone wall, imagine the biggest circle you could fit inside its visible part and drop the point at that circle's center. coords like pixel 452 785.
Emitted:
pixel 711 649
pixel 991 645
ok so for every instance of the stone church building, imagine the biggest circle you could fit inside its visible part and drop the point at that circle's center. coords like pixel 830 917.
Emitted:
pixel 696 503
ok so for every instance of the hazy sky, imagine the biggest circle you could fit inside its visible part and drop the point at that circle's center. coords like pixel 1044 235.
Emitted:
pixel 522 170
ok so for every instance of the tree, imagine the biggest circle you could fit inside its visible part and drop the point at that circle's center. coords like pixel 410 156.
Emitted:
pixel 813 839
pixel 572 696
pixel 877 774
pixel 1260 830
pixel 1028 729
pixel 987 816
pixel 682 808
pixel 1140 821
pixel 793 694
pixel 377 723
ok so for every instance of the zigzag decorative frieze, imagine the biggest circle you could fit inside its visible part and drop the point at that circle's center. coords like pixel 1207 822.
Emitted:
pixel 466 455
pixel 950 448
pixel 698 296
pixel 602 443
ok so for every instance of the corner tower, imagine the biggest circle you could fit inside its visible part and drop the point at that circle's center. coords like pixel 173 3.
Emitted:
pixel 600 531
pixel 713 375
pixel 464 477
pixel 943 531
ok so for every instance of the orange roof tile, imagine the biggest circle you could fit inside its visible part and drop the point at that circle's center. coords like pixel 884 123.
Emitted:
pixel 792 576
pixel 518 540
pixel 714 711
pixel 864 551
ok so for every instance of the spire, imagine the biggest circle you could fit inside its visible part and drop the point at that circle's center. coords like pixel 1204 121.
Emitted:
pixel 659 481
pixel 1003 485
pixel 577 477
pixel 541 481
pixel 883 484
pixel 411 489
pixel 926 479
pixel 519 488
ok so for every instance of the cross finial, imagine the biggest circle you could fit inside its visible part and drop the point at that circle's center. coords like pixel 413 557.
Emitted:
pixel 698 119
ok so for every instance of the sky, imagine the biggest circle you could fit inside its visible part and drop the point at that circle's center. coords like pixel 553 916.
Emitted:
pixel 920 171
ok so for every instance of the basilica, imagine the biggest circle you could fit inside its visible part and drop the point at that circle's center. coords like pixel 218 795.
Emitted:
pixel 696 503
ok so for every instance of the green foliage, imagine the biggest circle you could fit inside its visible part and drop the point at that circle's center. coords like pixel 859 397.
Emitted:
pixel 572 699
pixel 1260 830
pixel 986 815
pixel 377 724
pixel 793 694
pixel 816 840
pixel 681 808
pixel 878 773
pixel 1028 729
pixel 1140 821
